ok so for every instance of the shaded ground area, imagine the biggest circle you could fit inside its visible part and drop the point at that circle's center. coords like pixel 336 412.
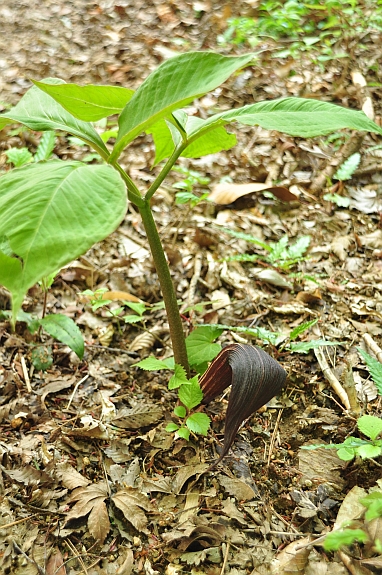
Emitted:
pixel 84 453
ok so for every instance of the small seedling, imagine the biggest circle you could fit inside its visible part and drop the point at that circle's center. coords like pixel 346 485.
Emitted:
pixel 280 254
pixel 21 156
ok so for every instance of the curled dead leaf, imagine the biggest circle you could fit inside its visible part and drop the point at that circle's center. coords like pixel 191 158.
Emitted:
pixel 255 378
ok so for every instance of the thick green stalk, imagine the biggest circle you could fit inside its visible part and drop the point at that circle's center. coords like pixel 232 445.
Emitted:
pixel 167 287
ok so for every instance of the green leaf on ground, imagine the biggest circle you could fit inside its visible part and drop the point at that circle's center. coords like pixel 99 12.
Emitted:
pixel 183 433
pixel 301 328
pixel 305 346
pixel 198 423
pixel 65 330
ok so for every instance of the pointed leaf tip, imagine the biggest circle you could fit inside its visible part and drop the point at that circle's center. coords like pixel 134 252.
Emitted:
pixel 255 378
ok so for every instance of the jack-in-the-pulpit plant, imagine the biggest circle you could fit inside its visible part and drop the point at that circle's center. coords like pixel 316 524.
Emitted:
pixel 53 211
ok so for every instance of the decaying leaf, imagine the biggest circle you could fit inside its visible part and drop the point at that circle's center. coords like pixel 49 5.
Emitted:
pixel 255 378
pixel 91 500
pixel 131 502
pixel 140 415
pixel 225 194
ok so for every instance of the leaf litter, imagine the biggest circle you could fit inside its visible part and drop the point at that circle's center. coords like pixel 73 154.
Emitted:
pixel 90 479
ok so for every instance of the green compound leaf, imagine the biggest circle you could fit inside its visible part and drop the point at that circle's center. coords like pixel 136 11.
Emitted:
pixel 199 344
pixel 173 85
pixel 336 539
pixel 89 103
pixel 198 423
pixel 47 218
pixel 370 426
pixel 374 367
pixel 65 330
pixel 38 111
pixel 191 395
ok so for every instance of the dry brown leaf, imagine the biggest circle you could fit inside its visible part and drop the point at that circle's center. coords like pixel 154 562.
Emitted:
pixel 224 194
pixel 30 476
pixel 87 498
pixel 55 565
pixel 340 245
pixel 138 416
pixel 121 296
pixel 69 476
pixel 293 559
pixel 237 488
pixel 98 522
pixel 131 502
pixel 185 473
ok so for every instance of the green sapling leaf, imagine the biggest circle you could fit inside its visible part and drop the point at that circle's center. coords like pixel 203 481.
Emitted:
pixel 180 411
pixel 191 395
pixel 153 364
pixel 369 451
pixel 198 423
pixel 183 433
pixel 172 427
pixel 18 156
pixel 199 344
pixel 190 75
pixel 65 330
pixel 373 503
pixel 179 378
pixel 132 318
pixel 57 223
pixel 370 426
pixel 336 539
pixel 40 112
pixel 139 308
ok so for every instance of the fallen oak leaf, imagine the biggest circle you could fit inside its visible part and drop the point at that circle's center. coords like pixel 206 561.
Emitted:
pixel 255 378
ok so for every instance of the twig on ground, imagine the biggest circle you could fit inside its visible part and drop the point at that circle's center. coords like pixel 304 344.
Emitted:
pixel 372 346
pixel 25 374
pixel 331 378
pixel 273 438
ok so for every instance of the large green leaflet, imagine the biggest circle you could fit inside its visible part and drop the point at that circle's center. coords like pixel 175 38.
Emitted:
pixel 89 103
pixel 51 213
pixel 39 111
pixel 295 116
pixel 173 85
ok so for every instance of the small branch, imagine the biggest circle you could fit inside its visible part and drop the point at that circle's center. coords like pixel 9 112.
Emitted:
pixel 374 347
pixel 331 378
pixel 133 193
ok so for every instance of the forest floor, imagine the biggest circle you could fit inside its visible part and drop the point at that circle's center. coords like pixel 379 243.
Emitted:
pixel 78 495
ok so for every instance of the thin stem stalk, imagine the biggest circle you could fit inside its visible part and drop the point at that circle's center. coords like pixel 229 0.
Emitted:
pixel 167 287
